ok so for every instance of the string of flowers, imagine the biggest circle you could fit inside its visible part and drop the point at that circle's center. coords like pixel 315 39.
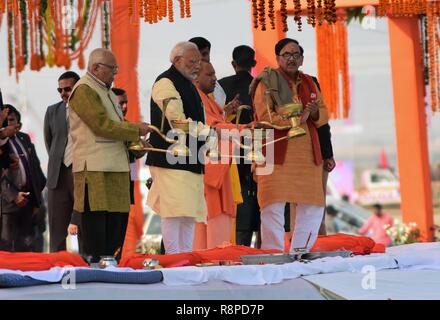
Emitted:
pixel 403 8
pixel 332 46
pixel 342 51
pixel 10 40
pixel 297 13
pixel 254 9
pixel 105 24
pixel 130 7
pixel 24 31
pixel 272 14
pixel 140 4
pixel 2 8
pixel 262 14
pixel 147 13
pixel 311 12
pixel 188 8
pixel 162 9
pixel 433 10
pixel 154 11
pixel 283 13
pixel 182 8
pixel 17 41
pixel 319 12
pixel 330 11
pixel 170 11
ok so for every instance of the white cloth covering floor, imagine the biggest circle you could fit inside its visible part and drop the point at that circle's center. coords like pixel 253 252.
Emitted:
pixel 403 272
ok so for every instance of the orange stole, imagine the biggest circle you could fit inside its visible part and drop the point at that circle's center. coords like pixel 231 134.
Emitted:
pixel 218 188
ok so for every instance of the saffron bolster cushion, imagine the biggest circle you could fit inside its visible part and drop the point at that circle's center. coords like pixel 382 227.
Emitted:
pixel 357 244
pixel 32 261
pixel 341 241
pixel 192 258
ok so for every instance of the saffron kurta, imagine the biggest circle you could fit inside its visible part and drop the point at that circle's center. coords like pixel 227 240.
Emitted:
pixel 218 188
pixel 298 179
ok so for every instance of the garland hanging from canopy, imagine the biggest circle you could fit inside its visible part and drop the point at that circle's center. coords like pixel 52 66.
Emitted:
pixel 331 35
pixel 332 61
pixel 54 33
pixel 429 14
pixel 154 11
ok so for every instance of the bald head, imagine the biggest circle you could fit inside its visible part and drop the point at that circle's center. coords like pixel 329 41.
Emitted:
pixel 102 64
pixel 206 78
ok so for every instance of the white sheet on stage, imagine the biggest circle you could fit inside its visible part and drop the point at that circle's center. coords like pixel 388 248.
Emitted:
pixel 415 257
pixel 271 273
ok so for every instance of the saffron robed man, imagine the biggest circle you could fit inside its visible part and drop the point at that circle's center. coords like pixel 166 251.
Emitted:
pixel 297 175
pixel 100 158
pixel 218 186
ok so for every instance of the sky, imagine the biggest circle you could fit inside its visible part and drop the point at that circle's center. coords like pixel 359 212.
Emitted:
pixel 227 24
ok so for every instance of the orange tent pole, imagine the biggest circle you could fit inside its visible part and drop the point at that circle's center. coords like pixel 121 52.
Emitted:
pixel 125 46
pixel 410 118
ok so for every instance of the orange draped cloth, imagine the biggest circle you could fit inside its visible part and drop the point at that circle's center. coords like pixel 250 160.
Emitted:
pixel 341 241
pixel 231 253
pixel 359 245
pixel 31 261
pixel 218 188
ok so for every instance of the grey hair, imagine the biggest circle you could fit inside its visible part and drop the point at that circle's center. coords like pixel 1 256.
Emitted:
pixel 97 56
pixel 180 48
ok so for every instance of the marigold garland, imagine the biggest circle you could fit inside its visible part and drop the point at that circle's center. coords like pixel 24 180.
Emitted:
pixel 311 12
pixel 319 12
pixel 283 13
pixel 332 46
pixel 170 11
pixel 182 8
pixel 37 32
pixel 188 8
pixel 271 14
pixel 254 9
pixel 297 13
pixel 130 7
pixel 432 17
pixel 262 14
pixel 105 24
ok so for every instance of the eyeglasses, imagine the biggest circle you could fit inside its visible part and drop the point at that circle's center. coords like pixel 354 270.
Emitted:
pixel 114 68
pixel 66 89
pixel 289 55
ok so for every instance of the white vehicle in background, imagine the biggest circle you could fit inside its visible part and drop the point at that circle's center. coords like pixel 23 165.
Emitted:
pixel 378 186
pixel 349 216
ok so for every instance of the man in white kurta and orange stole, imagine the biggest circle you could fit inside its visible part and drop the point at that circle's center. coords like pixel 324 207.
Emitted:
pixel 218 186
pixel 297 174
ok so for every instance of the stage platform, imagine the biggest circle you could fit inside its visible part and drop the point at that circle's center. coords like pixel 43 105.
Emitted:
pixel 404 272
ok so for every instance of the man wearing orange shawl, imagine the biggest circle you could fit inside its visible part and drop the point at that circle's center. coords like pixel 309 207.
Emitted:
pixel 218 187
pixel 297 173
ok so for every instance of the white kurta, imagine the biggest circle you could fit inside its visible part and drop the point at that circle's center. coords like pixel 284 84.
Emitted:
pixel 176 193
